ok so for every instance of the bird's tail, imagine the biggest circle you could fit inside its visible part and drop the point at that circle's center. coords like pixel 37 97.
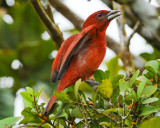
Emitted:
pixel 49 106
pixel 61 86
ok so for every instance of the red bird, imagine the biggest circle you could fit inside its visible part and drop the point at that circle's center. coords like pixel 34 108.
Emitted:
pixel 81 54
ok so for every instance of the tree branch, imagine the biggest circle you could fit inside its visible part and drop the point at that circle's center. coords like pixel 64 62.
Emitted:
pixel 131 20
pixel 54 31
pixel 125 54
pixel 133 32
pixel 65 11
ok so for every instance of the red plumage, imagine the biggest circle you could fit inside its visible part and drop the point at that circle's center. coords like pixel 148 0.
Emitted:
pixel 81 54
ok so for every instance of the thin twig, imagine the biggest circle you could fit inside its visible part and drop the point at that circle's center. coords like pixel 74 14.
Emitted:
pixel 90 116
pixel 124 110
pixel 83 112
pixel 35 103
pixel 54 31
pixel 118 103
pixel 135 28
pixel 117 123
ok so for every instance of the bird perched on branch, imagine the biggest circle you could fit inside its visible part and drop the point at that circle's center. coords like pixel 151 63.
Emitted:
pixel 81 54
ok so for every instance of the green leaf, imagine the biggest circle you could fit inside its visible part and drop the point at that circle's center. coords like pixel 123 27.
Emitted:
pixel 86 88
pixel 29 90
pixel 9 121
pixel 105 124
pixel 107 72
pixel 40 91
pixel 27 96
pixel 28 113
pixel 115 81
pixel 149 90
pixel 148 74
pixel 62 97
pixel 113 67
pixel 99 75
pixel 76 113
pixel 76 87
pixel 146 110
pixel 152 66
pixel 133 78
pixel 30 120
pixel 140 88
pixel 105 89
pixel 110 110
pixel 123 86
pixel 152 122
pixel 150 100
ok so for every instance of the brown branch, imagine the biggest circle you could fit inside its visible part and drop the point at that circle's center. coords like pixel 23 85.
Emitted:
pixel 131 20
pixel 124 110
pixel 64 10
pixel 125 54
pixel 83 112
pixel 54 31
pixel 117 123
pixel 133 32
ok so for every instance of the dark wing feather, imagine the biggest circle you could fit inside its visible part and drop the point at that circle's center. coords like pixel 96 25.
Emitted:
pixel 73 48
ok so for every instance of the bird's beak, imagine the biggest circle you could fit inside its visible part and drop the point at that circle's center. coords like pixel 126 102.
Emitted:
pixel 113 14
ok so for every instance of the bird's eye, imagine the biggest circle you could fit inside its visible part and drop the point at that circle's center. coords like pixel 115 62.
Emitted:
pixel 99 14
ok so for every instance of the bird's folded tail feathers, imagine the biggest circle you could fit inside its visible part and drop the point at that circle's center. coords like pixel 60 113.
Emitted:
pixel 47 110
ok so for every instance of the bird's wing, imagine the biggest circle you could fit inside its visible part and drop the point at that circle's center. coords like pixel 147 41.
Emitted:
pixel 69 48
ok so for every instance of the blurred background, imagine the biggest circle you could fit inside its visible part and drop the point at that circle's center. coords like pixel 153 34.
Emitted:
pixel 27 51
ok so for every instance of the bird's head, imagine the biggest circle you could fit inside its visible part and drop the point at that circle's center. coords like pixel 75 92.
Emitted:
pixel 101 19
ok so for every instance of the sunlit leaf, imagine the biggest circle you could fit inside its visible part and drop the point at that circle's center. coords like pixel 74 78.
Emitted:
pixel 113 67
pixel 29 90
pixel 105 124
pixel 62 97
pixel 27 96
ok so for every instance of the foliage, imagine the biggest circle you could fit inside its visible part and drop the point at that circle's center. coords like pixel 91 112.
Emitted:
pixel 134 100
